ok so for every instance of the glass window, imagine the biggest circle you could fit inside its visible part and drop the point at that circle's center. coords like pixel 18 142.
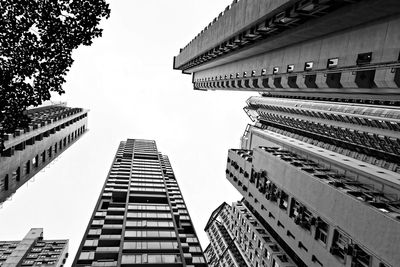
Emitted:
pixel 154 258
pixel 171 259
pixel 28 167
pixel 198 259
pixel 86 256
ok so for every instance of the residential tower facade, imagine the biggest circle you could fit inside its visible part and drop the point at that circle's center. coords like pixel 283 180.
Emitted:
pixel 307 49
pixel 319 166
pixel 140 218
pixel 33 251
pixel 53 128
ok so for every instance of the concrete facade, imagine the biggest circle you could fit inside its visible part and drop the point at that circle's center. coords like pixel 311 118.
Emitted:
pixel 325 49
pixel 52 130
pixel 140 218
pixel 330 209
pixel 365 132
pixel 33 251
pixel 239 238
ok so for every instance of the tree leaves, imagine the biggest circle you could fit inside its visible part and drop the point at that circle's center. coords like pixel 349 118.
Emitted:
pixel 36 42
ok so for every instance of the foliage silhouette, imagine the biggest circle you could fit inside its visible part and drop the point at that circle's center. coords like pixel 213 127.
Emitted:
pixel 37 38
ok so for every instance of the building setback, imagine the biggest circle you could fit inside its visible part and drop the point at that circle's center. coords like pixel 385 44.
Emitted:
pixel 305 49
pixel 33 251
pixel 140 218
pixel 52 130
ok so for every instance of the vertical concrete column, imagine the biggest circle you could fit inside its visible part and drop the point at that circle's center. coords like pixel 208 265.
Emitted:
pixel 384 78
pixel 321 80
pixel 284 81
pixel 301 81
pixel 271 82
pixel 348 79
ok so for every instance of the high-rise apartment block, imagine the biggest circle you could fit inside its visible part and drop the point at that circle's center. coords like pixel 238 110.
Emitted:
pixel 328 208
pixel 53 128
pixel 319 168
pixel 238 237
pixel 33 251
pixel 140 218
pixel 309 49
pixel 367 133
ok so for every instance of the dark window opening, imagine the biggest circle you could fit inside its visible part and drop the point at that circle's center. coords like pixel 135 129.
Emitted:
pixel 277 82
pixel 292 82
pixel 333 80
pixel 365 79
pixel 6 182
pixel 265 83
pixel 289 234
pixel 364 58
pixel 309 81
pixel 28 167
pixel 301 245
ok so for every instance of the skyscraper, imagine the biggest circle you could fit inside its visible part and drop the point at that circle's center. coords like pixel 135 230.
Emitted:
pixel 319 168
pixel 33 251
pixel 310 49
pixel 329 208
pixel 239 238
pixel 52 130
pixel 140 217
pixel 365 132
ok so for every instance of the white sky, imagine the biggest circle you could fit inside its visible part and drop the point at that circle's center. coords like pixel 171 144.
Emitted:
pixel 126 80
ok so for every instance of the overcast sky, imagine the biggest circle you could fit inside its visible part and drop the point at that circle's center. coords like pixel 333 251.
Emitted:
pixel 126 80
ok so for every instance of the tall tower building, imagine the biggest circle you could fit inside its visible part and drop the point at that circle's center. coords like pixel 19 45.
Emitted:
pixel 140 218
pixel 330 205
pixel 52 130
pixel 319 168
pixel 367 133
pixel 240 238
pixel 309 49
pixel 33 251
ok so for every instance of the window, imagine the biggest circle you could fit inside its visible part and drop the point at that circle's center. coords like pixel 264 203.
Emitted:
pixel 301 245
pixel 43 156
pixel 35 161
pixel 28 167
pixel 151 245
pixel 321 232
pixel 360 257
pixel 194 249
pixel 339 245
pixel 283 202
pixel 86 256
pixel 150 258
pixel 149 233
pixel 27 262
pixel 50 151
pixel 16 175
pixel 97 222
pixel 149 215
pixel 6 182
pixel 94 232
pixel 91 243
pixel 145 223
